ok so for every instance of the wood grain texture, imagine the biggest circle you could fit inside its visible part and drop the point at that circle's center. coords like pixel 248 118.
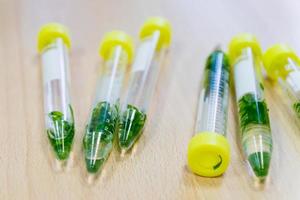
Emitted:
pixel 158 169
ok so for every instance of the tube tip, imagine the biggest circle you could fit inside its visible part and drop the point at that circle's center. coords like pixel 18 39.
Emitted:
pixel 58 165
pixel 123 152
pixel 63 165
pixel 260 163
pixel 218 47
pixel 90 179
pixel 93 166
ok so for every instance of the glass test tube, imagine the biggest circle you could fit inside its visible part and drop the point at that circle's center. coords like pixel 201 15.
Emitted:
pixel 283 65
pixel 155 37
pixel 53 44
pixel 116 50
pixel 208 150
pixel 245 55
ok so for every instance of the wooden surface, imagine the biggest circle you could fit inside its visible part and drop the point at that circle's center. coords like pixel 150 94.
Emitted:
pixel 158 169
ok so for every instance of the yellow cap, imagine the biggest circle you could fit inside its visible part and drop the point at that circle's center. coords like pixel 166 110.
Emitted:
pixel 208 154
pixel 113 39
pixel 50 32
pixel 157 24
pixel 275 59
pixel 242 41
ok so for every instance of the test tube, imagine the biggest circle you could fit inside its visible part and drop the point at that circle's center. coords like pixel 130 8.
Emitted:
pixel 208 150
pixel 246 57
pixel 53 45
pixel 282 65
pixel 155 37
pixel 116 50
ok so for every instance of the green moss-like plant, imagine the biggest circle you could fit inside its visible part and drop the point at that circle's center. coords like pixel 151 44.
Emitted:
pixel 252 111
pixel 296 107
pixel 98 139
pixel 211 67
pixel 260 162
pixel 62 134
pixel 131 126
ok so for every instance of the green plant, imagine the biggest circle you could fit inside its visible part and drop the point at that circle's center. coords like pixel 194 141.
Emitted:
pixel 296 107
pixel 260 162
pixel 211 67
pixel 252 111
pixel 61 134
pixel 98 139
pixel 131 126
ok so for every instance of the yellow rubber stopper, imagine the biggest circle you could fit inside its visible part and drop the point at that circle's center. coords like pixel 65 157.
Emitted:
pixel 115 38
pixel 50 32
pixel 208 154
pixel 276 58
pixel 242 41
pixel 157 24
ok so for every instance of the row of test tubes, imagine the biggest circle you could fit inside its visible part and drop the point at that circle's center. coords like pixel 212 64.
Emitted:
pixel 119 108
pixel 208 150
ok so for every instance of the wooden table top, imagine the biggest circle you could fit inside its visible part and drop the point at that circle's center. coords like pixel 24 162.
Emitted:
pixel 158 168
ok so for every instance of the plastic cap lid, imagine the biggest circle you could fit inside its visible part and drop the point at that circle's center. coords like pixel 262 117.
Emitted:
pixel 113 39
pixel 242 41
pixel 208 154
pixel 157 24
pixel 276 57
pixel 50 32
